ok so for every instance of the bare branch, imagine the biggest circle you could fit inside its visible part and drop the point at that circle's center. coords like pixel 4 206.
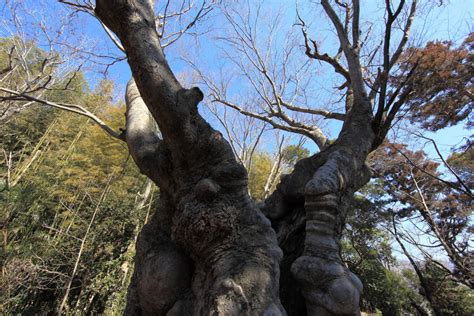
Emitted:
pixel 389 61
pixel 315 54
pixel 352 56
pixel 406 32
pixel 268 82
pixel 315 134
pixel 68 107
pixel 446 164
pixel 170 39
pixel 325 113
pixel 112 36
pixel 355 24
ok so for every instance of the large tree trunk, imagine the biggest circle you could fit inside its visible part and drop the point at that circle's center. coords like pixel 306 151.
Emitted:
pixel 310 205
pixel 208 250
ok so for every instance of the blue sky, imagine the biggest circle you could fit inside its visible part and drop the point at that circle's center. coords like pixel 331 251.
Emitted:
pixel 449 22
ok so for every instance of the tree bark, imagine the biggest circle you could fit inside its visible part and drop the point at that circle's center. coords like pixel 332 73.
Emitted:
pixel 208 250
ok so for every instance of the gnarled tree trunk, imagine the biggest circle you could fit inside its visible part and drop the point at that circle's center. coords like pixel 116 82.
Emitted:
pixel 208 250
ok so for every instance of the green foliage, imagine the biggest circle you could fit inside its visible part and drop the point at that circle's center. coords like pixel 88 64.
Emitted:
pixel 265 171
pixel 293 153
pixel 71 175
pixel 258 174
pixel 368 253
pixel 385 290
pixel 450 298
pixel 463 164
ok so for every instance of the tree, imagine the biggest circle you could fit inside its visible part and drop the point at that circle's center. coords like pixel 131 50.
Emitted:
pixel 203 189
pixel 209 249
pixel 462 162
pixel 450 298
pixel 427 214
pixel 435 196
pixel 443 91
pixel 367 252
pixel 445 206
